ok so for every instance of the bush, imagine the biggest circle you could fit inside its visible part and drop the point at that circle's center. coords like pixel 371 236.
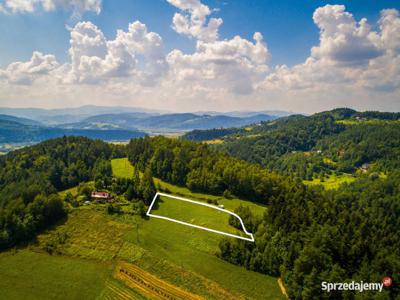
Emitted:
pixel 227 194
pixel 113 209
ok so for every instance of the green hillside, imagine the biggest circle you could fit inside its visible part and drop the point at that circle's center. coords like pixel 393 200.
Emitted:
pixel 193 249
pixel 327 148
pixel 31 275
pixel 88 244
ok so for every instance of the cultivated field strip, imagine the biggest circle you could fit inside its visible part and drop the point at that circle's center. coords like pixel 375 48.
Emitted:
pixel 149 285
pixel 113 292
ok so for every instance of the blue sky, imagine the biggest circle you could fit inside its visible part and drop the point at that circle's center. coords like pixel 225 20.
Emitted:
pixel 272 70
pixel 286 25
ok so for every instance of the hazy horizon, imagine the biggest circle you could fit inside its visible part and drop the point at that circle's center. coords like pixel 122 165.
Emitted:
pixel 201 55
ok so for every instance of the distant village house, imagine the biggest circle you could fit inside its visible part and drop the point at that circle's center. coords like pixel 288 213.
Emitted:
pixel 101 196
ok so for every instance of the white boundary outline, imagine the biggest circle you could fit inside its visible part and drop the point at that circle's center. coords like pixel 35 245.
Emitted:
pixel 197 226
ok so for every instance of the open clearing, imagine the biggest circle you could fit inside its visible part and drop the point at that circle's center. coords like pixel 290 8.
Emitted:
pixel 332 182
pixel 197 215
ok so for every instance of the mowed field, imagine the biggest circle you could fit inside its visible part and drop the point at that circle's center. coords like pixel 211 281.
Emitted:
pixel 29 275
pixel 94 244
pixel 172 248
pixel 193 213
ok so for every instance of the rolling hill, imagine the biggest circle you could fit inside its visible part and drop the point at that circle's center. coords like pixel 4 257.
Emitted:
pixel 15 132
pixel 177 122
pixel 69 115
pixel 23 121
pixel 325 145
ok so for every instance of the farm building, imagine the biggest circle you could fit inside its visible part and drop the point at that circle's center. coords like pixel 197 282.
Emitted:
pixel 102 196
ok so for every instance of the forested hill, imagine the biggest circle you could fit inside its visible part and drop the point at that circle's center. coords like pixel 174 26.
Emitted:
pixel 341 140
pixel 19 130
pixel 31 177
pixel 306 236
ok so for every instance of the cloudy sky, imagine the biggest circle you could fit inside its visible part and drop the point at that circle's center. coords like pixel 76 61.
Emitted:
pixel 192 55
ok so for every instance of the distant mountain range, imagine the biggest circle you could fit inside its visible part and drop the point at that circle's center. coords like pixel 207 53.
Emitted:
pixel 79 114
pixel 172 122
pixel 70 115
pixel 30 125
pixel 12 132
pixel 20 120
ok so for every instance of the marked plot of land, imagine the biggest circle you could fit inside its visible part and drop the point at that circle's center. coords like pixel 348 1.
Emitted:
pixel 196 214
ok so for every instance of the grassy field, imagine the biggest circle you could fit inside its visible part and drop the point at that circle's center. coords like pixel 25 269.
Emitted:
pixel 214 142
pixel 369 122
pixel 186 256
pixel 332 182
pixel 121 167
pixel 178 254
pixel 194 214
pixel 177 249
pixel 29 275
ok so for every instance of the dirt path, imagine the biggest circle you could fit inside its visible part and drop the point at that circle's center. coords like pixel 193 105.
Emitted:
pixel 282 287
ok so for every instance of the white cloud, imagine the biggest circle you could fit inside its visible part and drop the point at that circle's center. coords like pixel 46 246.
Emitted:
pixel 26 72
pixel 342 39
pixel 230 64
pixel 390 30
pixel 94 58
pixel 30 6
pixel 233 65
pixel 350 54
pixel 195 22
pixel 354 64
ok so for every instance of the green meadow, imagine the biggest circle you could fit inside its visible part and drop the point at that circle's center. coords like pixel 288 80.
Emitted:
pixel 331 182
pixel 368 122
pixel 170 246
pixel 30 275
pixel 192 213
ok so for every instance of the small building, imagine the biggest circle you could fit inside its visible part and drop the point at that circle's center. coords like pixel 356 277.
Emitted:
pixel 101 196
